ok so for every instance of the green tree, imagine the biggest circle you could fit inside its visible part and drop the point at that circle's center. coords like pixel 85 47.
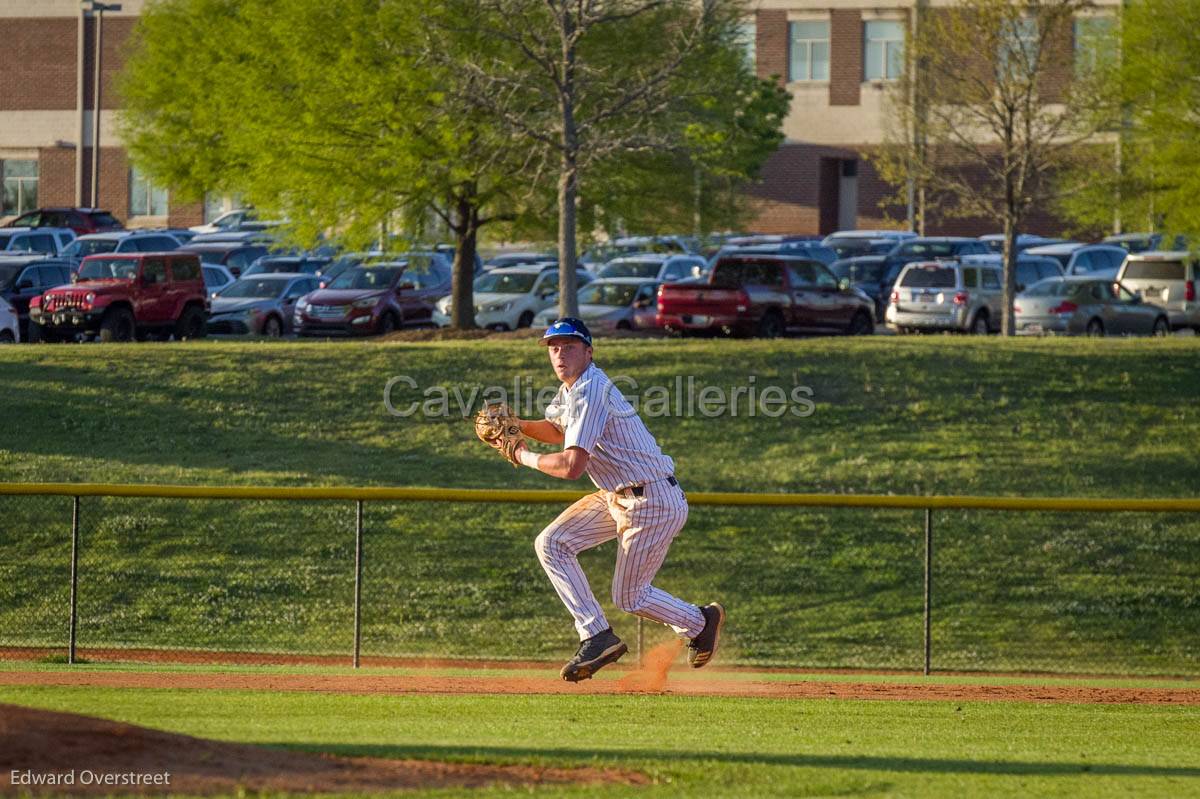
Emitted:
pixel 1148 91
pixel 630 93
pixel 989 111
pixel 324 113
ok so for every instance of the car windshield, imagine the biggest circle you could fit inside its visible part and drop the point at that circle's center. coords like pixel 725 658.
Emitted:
pixel 269 265
pixel 615 294
pixel 82 247
pixel 507 283
pixel 927 248
pixel 259 288
pixel 929 277
pixel 1051 288
pixel 367 277
pixel 857 272
pixel 108 268
pixel 631 269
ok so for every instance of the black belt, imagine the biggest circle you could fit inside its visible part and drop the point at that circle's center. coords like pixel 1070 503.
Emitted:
pixel 640 490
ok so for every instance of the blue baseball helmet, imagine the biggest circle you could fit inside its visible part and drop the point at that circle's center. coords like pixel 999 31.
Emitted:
pixel 568 326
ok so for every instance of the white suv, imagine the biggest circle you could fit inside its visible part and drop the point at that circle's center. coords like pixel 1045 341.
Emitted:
pixel 119 241
pixel 946 295
pixel 45 240
pixel 1168 280
pixel 509 297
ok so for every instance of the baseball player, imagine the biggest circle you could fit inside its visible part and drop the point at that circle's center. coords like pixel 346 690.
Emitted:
pixel 639 503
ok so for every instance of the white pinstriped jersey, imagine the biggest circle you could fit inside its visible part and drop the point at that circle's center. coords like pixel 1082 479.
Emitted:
pixel 595 417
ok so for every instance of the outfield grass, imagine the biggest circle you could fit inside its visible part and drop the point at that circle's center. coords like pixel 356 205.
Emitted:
pixel 706 747
pixel 807 587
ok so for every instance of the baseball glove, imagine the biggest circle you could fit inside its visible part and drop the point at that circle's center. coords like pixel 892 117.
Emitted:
pixel 497 427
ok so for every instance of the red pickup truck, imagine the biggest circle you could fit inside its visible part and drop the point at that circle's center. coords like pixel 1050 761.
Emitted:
pixel 119 297
pixel 765 295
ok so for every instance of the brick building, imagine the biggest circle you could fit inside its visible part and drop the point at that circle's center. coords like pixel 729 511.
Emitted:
pixel 46 123
pixel 836 58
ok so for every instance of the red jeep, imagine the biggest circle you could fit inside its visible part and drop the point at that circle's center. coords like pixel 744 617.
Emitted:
pixel 121 297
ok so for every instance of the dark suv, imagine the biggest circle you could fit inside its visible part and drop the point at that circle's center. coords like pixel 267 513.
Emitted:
pixel 375 298
pixel 22 279
pixel 119 297
pixel 81 220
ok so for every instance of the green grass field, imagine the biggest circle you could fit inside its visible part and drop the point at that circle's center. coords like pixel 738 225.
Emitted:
pixel 813 587
pixel 705 747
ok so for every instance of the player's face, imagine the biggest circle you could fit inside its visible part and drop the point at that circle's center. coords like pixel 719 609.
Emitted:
pixel 569 356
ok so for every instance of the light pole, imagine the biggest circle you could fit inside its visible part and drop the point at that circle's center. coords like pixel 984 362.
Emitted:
pixel 98 8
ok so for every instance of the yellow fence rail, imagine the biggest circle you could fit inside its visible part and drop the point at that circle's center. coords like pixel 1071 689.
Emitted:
pixel 376 494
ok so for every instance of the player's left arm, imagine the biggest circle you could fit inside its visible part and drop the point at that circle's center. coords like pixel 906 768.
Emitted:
pixel 570 464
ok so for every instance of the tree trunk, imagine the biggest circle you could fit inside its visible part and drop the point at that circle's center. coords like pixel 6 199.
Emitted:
pixel 462 294
pixel 1008 321
pixel 568 185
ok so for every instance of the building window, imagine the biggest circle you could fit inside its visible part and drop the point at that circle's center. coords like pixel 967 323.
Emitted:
pixel 217 204
pixel 20 187
pixel 808 51
pixel 1094 43
pixel 1019 47
pixel 883 49
pixel 747 37
pixel 145 199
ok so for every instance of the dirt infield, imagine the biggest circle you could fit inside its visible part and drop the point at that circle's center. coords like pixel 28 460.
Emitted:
pixel 654 680
pixel 101 757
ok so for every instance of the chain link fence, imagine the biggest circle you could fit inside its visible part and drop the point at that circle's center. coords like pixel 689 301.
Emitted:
pixel 299 580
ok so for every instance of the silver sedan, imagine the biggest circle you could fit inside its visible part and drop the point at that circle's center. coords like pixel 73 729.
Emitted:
pixel 1086 306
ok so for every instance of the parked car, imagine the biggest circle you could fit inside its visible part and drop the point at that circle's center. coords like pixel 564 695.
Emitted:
pixel 868 274
pixel 1146 242
pixel 44 240
pixel 118 241
pixel 890 235
pixel 1166 280
pixel 237 219
pixel 118 297
pixel 946 295
pixel 23 278
pixel 1098 260
pixel 600 254
pixel 853 247
pixel 995 241
pixel 1086 306
pixel 664 268
pixel 233 255
pixel 10 329
pixel 234 236
pixel 216 277
pixel 81 220
pixel 375 298
pixel 1030 268
pixel 765 295
pixel 260 304
pixel 810 248
pixel 448 251
pixel 509 298
pixel 520 259
pixel 303 264
pixel 931 248
pixel 611 304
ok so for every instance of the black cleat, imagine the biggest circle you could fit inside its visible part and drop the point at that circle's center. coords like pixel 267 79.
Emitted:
pixel 702 648
pixel 594 654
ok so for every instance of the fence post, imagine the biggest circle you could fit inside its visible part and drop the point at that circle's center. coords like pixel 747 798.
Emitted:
pixel 641 640
pixel 928 582
pixel 74 578
pixel 358 552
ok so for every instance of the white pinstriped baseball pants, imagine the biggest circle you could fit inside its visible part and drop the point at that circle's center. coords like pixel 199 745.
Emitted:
pixel 644 528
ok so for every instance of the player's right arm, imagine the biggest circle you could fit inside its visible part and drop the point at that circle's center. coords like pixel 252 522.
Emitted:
pixel 542 430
